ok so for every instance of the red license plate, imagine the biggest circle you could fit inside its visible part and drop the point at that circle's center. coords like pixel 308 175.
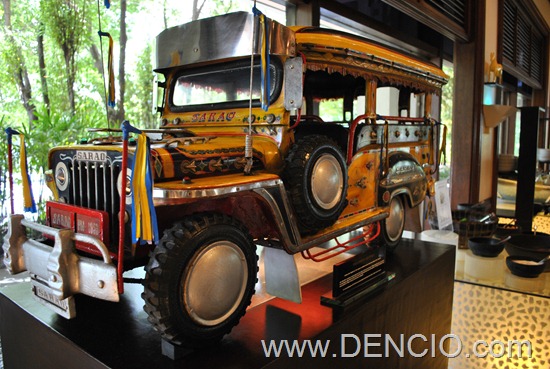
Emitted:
pixel 59 218
pixel 82 220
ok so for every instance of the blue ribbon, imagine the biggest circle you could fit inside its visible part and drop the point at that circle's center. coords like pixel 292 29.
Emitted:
pixel 127 128
pixel 10 132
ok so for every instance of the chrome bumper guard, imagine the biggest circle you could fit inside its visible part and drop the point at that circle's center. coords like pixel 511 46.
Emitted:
pixel 58 273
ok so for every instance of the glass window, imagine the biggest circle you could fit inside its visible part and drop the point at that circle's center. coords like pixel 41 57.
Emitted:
pixel 331 110
pixel 387 101
pixel 359 107
pixel 522 101
pixel 447 95
pixel 416 105
pixel 227 85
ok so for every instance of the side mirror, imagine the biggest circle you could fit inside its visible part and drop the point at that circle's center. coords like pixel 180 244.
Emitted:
pixel 156 108
pixel 294 83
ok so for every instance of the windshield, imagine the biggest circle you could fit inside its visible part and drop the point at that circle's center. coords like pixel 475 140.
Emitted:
pixel 222 87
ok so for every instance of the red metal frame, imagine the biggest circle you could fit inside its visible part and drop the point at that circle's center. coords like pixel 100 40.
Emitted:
pixel 121 226
pixel 364 238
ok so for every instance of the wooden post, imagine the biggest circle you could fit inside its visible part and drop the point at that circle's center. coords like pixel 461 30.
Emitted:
pixel 527 166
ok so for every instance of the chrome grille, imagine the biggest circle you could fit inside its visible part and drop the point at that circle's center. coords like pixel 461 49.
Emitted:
pixel 93 184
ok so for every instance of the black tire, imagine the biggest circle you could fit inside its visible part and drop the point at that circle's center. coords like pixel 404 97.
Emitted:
pixel 391 228
pixel 316 179
pixel 211 253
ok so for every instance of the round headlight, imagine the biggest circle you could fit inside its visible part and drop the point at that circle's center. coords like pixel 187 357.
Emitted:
pixel 62 177
pixel 128 186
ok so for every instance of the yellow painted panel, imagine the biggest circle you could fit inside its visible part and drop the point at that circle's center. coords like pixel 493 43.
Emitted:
pixel 362 174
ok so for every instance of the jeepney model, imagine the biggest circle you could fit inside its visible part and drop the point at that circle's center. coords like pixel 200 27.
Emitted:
pixel 230 174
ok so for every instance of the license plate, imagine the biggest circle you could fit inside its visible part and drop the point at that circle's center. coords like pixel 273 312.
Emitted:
pixel 90 225
pixel 60 218
pixel 64 307
pixel 82 220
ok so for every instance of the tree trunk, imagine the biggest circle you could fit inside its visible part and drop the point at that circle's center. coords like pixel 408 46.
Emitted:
pixel 197 9
pixel 71 74
pixel 96 56
pixel 122 60
pixel 22 78
pixel 67 22
pixel 42 65
pixel 20 70
pixel 164 15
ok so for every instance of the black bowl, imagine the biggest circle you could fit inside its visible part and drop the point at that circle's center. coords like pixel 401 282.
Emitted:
pixel 530 245
pixel 485 246
pixel 525 266
pixel 507 230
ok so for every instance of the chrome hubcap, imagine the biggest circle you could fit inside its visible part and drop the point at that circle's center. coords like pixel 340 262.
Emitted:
pixel 327 182
pixel 215 283
pixel 396 219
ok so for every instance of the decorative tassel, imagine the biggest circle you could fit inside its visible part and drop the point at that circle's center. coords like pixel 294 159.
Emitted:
pixel 28 198
pixel 264 53
pixel 144 219
pixel 111 98
pixel 9 132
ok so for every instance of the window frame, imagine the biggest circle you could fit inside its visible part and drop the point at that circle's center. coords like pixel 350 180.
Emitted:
pixel 528 15
pixel 241 63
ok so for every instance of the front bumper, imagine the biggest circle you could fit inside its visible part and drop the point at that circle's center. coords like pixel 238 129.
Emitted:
pixel 58 272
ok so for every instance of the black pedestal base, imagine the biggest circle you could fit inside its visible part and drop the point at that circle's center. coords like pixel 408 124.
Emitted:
pixel 117 335
pixel 174 352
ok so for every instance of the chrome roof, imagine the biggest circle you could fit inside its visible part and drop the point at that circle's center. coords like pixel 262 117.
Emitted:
pixel 223 37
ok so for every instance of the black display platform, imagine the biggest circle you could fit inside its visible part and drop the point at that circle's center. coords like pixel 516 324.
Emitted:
pixel 117 335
